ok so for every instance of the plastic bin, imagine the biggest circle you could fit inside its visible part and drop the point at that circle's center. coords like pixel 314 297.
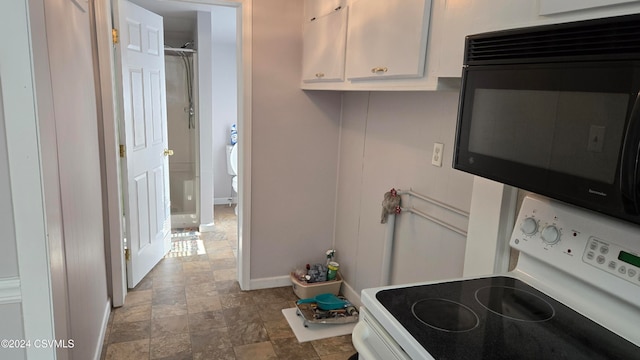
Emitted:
pixel 308 290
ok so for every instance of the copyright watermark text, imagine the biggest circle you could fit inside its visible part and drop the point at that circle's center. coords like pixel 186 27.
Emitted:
pixel 38 344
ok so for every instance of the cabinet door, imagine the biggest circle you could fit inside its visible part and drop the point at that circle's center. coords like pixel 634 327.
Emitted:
pixel 387 38
pixel 548 7
pixel 324 47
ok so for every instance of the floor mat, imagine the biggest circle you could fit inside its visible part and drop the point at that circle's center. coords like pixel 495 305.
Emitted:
pixel 314 331
pixel 186 247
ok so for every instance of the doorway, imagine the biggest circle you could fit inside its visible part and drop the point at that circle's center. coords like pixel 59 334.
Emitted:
pixel 199 131
pixel 242 35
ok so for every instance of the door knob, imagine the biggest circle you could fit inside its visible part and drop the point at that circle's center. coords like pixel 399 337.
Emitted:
pixel 168 152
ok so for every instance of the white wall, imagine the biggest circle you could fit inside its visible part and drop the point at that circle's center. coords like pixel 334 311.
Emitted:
pixel 8 257
pixel 205 116
pixel 72 178
pixel 78 174
pixel 10 309
pixel 387 142
pixel 225 108
pixel 294 148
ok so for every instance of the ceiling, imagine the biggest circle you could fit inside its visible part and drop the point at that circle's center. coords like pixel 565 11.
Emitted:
pixel 180 20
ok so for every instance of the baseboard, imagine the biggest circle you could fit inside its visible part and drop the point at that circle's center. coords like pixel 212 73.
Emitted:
pixel 10 292
pixel 225 200
pixel 103 331
pixel 271 282
pixel 352 295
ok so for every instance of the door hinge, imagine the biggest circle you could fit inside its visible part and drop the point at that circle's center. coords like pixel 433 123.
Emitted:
pixel 114 35
pixel 127 254
pixel 123 151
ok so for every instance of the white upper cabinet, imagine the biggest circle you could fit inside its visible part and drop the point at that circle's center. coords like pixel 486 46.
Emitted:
pixel 324 46
pixel 387 39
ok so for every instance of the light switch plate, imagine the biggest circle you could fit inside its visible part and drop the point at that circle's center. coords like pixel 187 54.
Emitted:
pixel 436 158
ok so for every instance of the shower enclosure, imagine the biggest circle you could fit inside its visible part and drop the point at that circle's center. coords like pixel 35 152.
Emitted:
pixel 183 137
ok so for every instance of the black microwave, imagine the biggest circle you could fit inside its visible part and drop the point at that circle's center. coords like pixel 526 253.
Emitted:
pixel 554 109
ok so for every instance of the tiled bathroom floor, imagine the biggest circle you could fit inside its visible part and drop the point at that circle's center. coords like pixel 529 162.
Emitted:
pixel 191 307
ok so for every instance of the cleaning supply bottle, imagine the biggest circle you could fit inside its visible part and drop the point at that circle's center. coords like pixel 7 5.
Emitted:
pixel 234 134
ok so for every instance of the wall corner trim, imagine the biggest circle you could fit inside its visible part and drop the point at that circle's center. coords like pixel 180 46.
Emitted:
pixel 10 291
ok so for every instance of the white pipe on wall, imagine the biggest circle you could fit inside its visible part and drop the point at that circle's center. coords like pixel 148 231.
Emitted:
pixel 387 250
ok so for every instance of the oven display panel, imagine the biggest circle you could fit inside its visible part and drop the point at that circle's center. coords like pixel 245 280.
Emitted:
pixel 629 258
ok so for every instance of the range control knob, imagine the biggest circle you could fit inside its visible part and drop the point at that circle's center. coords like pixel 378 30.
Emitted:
pixel 529 226
pixel 550 234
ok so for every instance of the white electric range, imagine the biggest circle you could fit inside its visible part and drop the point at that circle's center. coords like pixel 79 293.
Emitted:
pixel 574 294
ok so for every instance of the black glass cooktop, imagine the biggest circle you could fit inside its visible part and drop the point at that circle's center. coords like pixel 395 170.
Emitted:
pixel 499 318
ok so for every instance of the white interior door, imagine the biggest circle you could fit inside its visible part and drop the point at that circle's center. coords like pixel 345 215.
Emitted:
pixel 146 189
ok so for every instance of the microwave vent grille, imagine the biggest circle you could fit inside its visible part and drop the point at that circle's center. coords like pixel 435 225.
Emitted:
pixel 601 39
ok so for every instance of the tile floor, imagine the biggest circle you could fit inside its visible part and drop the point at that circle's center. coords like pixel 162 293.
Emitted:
pixel 191 307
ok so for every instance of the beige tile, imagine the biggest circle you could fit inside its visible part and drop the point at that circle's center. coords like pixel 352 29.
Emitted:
pixel 169 296
pixel 164 326
pixel 247 333
pixel 206 320
pixel 202 290
pixel 167 267
pixel 130 331
pixel 197 278
pixel 144 284
pixel 247 314
pixel 273 311
pixel 203 304
pixel 217 245
pixel 226 263
pixel 208 341
pixel 138 297
pixel 216 235
pixel 258 351
pixel 228 286
pixel 169 290
pixel 168 281
pixel 217 354
pixel 196 266
pixel 131 350
pixel 338 356
pixel 138 312
pixel 291 349
pixel 241 299
pixel 278 329
pixel 177 346
pixel 286 292
pixel 166 310
pixel 226 252
pixel 268 296
pixel 333 345
pixel 225 274
pixel 202 257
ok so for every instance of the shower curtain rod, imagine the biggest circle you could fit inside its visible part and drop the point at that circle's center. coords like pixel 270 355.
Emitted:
pixel 179 50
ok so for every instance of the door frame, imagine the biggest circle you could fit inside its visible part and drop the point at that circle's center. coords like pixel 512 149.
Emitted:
pixel 111 122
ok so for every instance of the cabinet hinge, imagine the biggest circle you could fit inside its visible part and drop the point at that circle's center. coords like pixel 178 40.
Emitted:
pixel 123 151
pixel 114 35
pixel 127 254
